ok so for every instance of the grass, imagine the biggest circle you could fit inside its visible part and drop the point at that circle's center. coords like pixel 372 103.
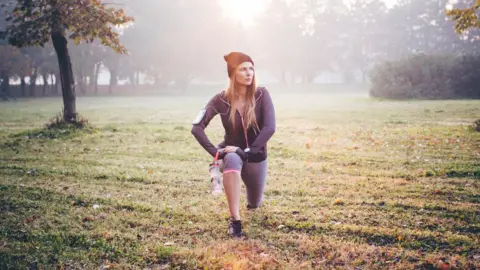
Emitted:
pixel 353 183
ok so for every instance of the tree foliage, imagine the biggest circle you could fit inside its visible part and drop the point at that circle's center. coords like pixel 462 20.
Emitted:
pixel 465 18
pixel 175 43
pixel 35 22
pixel 12 62
pixel 31 22
pixel 427 77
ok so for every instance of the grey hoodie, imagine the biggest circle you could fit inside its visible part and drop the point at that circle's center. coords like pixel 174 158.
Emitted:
pixel 257 141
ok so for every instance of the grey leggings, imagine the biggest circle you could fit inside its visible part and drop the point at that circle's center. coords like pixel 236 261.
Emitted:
pixel 253 174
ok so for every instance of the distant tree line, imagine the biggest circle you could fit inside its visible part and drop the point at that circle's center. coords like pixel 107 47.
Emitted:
pixel 175 42
pixel 435 75
pixel 428 77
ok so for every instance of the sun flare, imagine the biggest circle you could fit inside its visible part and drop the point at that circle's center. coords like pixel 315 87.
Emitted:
pixel 243 11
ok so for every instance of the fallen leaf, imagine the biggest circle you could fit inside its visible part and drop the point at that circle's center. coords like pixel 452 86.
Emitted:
pixel 29 219
pixel 308 144
pixel 442 265
pixel 87 219
pixel 338 202
pixel 169 243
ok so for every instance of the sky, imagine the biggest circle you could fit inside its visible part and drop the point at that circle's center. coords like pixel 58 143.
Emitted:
pixel 245 11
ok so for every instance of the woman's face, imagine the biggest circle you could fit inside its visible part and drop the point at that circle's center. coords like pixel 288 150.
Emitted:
pixel 244 73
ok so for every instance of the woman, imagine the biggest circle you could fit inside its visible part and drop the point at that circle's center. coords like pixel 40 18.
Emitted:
pixel 248 117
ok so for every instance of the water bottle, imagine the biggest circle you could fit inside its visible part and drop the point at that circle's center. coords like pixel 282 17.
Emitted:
pixel 216 177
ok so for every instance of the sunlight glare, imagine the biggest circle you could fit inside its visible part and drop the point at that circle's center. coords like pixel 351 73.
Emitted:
pixel 243 11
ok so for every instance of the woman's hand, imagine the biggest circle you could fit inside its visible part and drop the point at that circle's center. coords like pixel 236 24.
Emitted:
pixel 230 149
pixel 233 149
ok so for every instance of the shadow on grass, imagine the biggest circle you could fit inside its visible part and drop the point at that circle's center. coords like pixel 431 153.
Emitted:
pixel 469 216
pixel 377 238
pixel 37 231
pixel 15 170
pixel 66 131
pixel 17 141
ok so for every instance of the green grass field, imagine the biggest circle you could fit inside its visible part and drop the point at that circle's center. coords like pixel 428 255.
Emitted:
pixel 353 183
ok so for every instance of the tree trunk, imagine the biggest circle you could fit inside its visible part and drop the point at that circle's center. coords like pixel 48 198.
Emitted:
pixel 95 77
pixel 66 75
pixel 113 80
pixel 23 87
pixel 57 83
pixel 51 87
pixel 364 75
pixel 81 83
pixel 33 82
pixel 137 77
pixel 80 79
pixel 131 78
pixel 85 85
pixel 5 87
pixel 91 78
pixel 45 84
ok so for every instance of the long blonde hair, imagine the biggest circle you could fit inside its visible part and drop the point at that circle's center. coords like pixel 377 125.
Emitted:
pixel 249 114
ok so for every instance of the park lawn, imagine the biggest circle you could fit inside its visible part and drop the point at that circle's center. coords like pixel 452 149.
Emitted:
pixel 353 182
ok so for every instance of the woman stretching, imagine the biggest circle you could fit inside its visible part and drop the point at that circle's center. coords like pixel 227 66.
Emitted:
pixel 248 117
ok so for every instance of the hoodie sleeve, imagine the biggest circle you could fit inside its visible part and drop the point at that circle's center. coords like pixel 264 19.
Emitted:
pixel 269 124
pixel 201 122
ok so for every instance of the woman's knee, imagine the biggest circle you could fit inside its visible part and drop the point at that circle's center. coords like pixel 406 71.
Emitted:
pixel 232 157
pixel 232 162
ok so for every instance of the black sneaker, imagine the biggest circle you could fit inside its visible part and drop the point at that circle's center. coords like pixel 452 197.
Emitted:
pixel 235 228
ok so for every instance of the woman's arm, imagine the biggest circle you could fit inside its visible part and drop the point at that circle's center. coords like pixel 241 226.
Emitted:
pixel 269 124
pixel 201 122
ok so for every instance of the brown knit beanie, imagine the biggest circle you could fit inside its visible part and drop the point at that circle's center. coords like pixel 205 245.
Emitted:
pixel 234 59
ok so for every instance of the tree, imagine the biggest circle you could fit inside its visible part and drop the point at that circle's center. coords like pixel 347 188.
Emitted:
pixel 12 64
pixel 37 59
pixel 86 57
pixel 188 41
pixel 465 18
pixel 366 17
pixel 34 23
pixel 278 31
